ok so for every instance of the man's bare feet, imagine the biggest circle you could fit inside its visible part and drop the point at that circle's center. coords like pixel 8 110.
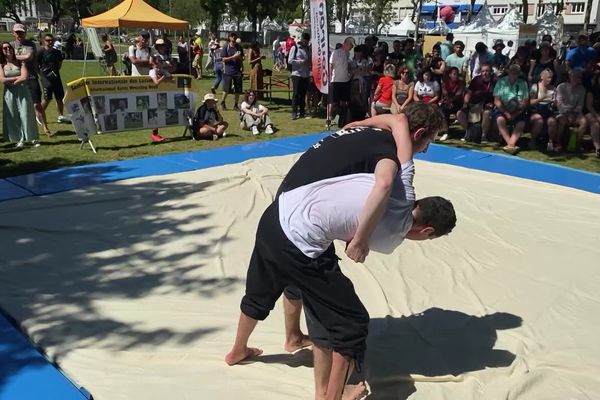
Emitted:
pixel 354 392
pixel 296 343
pixel 235 356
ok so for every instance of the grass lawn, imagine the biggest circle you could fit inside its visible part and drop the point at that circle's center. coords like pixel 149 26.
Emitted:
pixel 63 149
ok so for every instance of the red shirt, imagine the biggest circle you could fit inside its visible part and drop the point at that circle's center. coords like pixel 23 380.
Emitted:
pixel 386 83
pixel 289 43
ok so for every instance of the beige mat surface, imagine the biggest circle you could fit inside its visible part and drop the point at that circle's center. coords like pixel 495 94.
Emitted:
pixel 134 288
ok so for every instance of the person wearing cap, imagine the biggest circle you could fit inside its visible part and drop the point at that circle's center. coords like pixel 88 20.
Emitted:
pixel 49 62
pixel 479 57
pixel 232 70
pixel 499 61
pixel 25 51
pixel 458 58
pixel 162 67
pixel 208 123
pixel 139 55
pixel 511 99
pixel 198 50
pixel 583 56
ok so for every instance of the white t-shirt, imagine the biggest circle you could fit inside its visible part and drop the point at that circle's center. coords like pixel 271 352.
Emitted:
pixel 142 54
pixel 314 215
pixel 276 45
pixel 256 107
pixel 430 89
pixel 340 71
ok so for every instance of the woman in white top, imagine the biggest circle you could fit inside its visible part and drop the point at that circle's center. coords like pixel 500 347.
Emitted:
pixel 541 100
pixel 254 115
pixel 426 89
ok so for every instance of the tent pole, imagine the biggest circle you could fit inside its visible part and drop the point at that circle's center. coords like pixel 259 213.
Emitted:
pixel 85 53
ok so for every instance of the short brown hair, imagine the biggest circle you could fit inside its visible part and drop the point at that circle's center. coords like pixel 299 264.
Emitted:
pixel 436 212
pixel 427 116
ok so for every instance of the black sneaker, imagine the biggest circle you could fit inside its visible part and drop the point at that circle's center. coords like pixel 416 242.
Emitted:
pixel 213 90
pixel 294 116
pixel 223 106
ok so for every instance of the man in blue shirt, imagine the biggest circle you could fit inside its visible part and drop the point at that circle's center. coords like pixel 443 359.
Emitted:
pixel 581 56
pixel 232 70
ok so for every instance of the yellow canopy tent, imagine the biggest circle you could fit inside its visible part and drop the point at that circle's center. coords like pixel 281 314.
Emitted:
pixel 134 14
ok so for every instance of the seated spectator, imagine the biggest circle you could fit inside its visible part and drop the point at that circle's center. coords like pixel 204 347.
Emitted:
pixel 521 59
pixel 570 98
pixel 541 100
pixel 511 98
pixel 254 116
pixel 458 59
pixel 499 60
pixel 477 106
pixel 208 122
pixel 593 115
pixel 426 90
pixel 402 91
pixel 382 98
pixel 453 91
pixel 360 69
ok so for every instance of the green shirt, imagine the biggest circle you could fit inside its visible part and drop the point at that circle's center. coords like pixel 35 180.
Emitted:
pixel 506 91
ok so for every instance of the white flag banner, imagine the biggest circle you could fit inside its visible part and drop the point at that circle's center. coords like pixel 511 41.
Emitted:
pixel 320 44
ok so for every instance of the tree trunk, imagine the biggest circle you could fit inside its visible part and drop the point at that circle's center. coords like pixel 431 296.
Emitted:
pixel 470 11
pixel 586 20
pixel 525 10
pixel 418 19
pixel 560 6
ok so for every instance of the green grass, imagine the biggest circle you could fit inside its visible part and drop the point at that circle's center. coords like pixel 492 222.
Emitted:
pixel 63 149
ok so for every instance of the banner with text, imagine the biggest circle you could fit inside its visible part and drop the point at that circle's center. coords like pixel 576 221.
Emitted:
pixel 320 45
pixel 118 103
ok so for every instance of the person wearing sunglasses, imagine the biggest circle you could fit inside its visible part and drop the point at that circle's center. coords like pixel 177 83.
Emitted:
pixel 18 119
pixel 402 91
pixel 49 62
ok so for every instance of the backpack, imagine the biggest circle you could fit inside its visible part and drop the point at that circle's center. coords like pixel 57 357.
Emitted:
pixel 289 64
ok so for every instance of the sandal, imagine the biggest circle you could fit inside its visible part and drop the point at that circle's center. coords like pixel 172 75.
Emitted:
pixel 512 150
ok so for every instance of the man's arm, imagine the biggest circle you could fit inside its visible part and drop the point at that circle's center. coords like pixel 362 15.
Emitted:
pixel 374 208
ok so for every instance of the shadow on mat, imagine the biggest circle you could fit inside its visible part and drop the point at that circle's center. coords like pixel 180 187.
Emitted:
pixel 434 343
pixel 65 256
pixel 301 358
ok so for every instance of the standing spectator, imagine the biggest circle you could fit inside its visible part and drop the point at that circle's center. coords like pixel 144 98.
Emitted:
pixel 453 92
pixel 508 51
pixel 49 62
pixel 438 65
pixel 382 98
pixel 403 91
pixel 25 51
pixel 541 100
pixel 522 59
pixel 426 89
pixel 70 45
pixel 289 43
pixel 499 60
pixel 275 48
pixel 208 123
pixel 110 54
pixel 198 50
pixel 183 51
pixel 458 58
pixel 447 47
pixel 477 106
pixel 18 119
pixel 213 43
pixel 254 115
pixel 340 81
pixel 218 66
pixel 360 68
pixel 480 56
pixel 511 98
pixel 570 99
pixel 593 115
pixel 544 59
pixel 256 69
pixel 232 70
pixel 411 57
pixel 139 55
pixel 162 67
pixel 582 56
pixel 299 59
pixel 396 56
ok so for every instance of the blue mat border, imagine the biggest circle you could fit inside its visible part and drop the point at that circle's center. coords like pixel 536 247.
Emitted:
pixel 34 370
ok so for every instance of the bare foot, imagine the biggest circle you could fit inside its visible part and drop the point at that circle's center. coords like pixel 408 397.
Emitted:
pixel 354 392
pixel 235 356
pixel 296 343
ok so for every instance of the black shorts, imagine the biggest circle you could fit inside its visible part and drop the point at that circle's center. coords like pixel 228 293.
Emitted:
pixel 34 89
pixel 236 80
pixel 327 294
pixel 520 118
pixel 54 87
pixel 340 91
